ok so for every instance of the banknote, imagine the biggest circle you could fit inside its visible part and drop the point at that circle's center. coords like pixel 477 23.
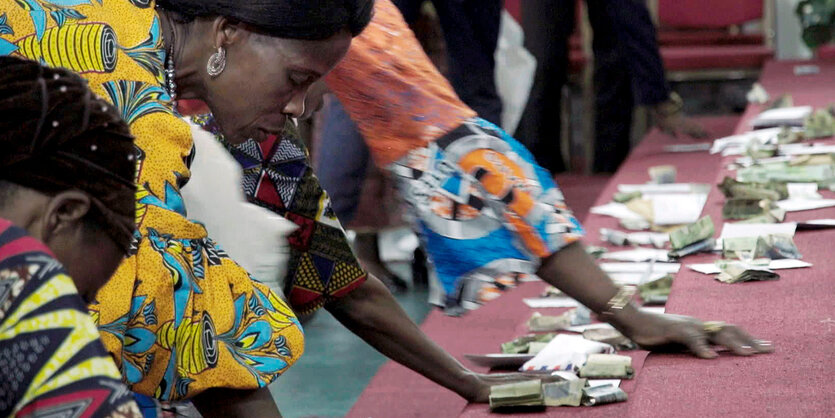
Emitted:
pixel 819 124
pixel 657 291
pixel 519 394
pixel 776 247
pixel 539 323
pixel 610 336
pixel 742 208
pixel 690 234
pixel 607 366
pixel 764 191
pixel 601 395
pixel 785 173
pixel 704 246
pixel 566 393
pixel 521 345
pixel 622 197
pixel 663 174
pixel 738 272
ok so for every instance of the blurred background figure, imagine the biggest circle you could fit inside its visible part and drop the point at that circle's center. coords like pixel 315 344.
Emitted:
pixel 628 71
pixel 461 38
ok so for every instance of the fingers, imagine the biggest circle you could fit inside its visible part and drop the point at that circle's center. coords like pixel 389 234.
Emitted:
pixel 696 341
pixel 739 342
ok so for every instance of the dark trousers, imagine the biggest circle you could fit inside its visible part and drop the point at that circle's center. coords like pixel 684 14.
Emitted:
pixel 625 60
pixel 471 32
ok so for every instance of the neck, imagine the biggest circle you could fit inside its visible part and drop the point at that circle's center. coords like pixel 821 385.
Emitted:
pixel 187 73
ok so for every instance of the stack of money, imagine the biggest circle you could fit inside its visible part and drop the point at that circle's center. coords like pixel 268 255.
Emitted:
pixel 543 323
pixel 601 395
pixel 789 135
pixel 663 174
pixel 738 271
pixel 623 197
pixel 820 124
pixel 607 366
pixel 515 395
pixel 763 191
pixel 693 238
pixel 776 247
pixel 610 336
pixel 741 208
pixel 521 345
pixel 613 236
pixel 785 173
pixel 565 393
pixel 657 291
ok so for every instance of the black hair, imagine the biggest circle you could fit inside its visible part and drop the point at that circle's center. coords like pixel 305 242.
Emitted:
pixel 294 19
pixel 56 135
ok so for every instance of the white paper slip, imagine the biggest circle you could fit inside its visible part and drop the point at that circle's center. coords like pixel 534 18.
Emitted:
pixel 616 210
pixel 774 265
pixel 538 303
pixel 677 209
pixel 565 352
pixel 803 149
pixel 822 222
pixel 634 279
pixel 762 136
pixel 782 116
pixel 584 328
pixel 797 205
pixel 593 383
pixel 739 230
pixel 640 267
pixel 679 188
pixel 637 255
pixel 803 191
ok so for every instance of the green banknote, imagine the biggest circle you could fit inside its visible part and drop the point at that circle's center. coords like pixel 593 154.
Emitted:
pixel 693 233
pixel 519 394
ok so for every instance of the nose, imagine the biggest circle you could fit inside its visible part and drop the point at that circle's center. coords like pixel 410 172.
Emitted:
pixel 295 107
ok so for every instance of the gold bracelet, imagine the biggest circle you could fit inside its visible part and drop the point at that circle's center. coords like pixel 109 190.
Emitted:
pixel 713 327
pixel 619 300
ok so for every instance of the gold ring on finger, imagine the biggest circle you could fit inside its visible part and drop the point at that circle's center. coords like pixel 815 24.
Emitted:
pixel 713 327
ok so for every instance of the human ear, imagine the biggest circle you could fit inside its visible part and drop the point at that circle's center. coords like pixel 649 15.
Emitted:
pixel 64 214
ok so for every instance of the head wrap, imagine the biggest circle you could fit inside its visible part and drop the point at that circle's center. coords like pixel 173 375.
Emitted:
pixel 294 19
pixel 55 135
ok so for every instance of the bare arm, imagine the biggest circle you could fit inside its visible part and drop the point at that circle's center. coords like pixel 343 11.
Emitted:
pixel 574 272
pixel 226 403
pixel 372 313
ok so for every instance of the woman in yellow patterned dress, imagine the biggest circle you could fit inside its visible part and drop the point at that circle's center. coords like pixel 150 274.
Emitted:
pixel 179 316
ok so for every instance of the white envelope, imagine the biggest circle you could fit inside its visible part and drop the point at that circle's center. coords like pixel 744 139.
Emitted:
pixel 565 352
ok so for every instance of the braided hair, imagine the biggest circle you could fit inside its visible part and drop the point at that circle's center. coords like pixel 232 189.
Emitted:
pixel 293 19
pixel 56 135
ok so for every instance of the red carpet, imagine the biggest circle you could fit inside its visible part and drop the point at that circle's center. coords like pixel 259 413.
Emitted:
pixel 398 392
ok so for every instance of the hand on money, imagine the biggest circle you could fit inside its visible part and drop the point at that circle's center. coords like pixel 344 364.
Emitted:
pixel 664 331
pixel 485 381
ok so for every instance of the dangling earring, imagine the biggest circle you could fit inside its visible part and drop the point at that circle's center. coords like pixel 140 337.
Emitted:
pixel 217 62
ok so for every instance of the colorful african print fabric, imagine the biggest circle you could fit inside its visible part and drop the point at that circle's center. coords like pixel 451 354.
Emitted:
pixel 52 362
pixel 179 316
pixel 483 208
pixel 278 176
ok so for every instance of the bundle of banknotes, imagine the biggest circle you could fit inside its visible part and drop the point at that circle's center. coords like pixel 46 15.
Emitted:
pixel 607 366
pixel 533 394
pixel 740 271
pixel 693 238
pixel 526 394
pixel 522 345
pixel 657 291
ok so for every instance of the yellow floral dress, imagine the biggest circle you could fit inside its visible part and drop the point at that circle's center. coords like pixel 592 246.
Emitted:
pixel 179 316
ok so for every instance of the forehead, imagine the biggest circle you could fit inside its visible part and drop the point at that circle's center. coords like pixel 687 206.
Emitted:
pixel 318 56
